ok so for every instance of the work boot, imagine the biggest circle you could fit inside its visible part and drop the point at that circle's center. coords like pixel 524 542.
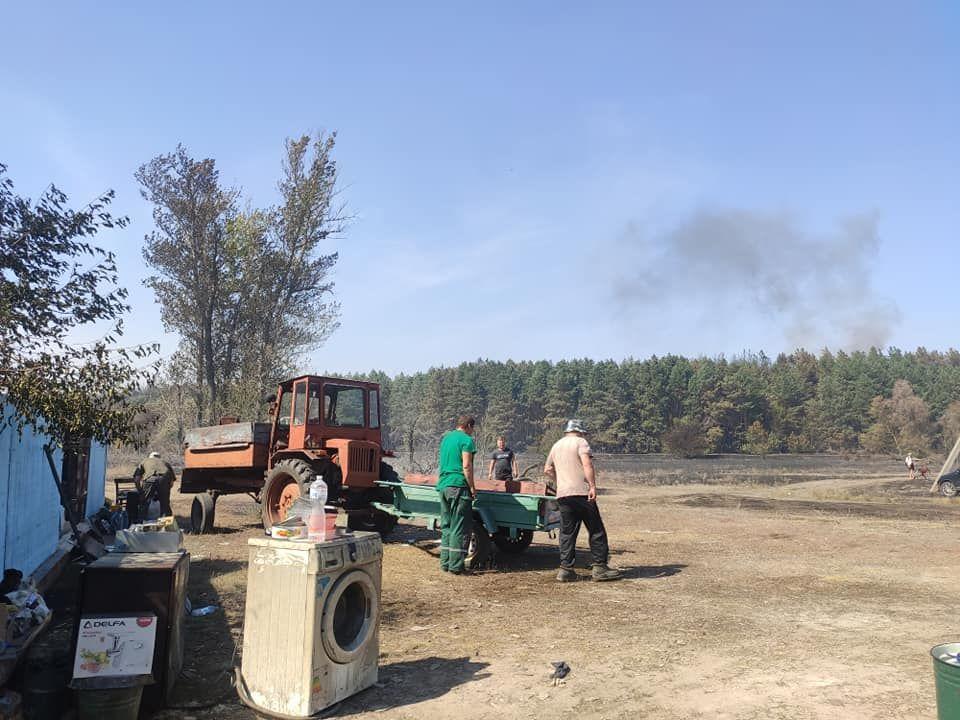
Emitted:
pixel 602 573
pixel 566 575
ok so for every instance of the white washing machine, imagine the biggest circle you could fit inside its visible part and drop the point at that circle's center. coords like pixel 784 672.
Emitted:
pixel 311 630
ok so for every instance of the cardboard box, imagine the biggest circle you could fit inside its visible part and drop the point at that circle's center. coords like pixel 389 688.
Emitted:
pixel 118 646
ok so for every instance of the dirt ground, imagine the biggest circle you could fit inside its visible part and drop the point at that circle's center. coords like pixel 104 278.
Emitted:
pixel 754 588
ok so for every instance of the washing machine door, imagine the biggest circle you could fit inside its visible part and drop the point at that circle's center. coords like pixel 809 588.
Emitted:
pixel 349 616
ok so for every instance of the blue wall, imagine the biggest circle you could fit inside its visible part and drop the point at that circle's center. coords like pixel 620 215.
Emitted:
pixel 98 474
pixel 30 513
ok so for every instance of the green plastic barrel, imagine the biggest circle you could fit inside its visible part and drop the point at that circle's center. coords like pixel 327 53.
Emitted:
pixel 946 674
pixel 114 704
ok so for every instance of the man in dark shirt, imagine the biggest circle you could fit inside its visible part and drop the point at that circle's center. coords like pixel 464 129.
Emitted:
pixel 503 463
pixel 155 477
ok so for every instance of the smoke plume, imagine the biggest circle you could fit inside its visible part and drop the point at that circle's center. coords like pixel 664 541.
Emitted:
pixel 817 288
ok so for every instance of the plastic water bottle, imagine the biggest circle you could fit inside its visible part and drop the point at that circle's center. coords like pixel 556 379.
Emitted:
pixel 316 523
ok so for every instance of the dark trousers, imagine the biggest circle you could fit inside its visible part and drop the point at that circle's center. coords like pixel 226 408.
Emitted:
pixel 575 510
pixel 456 524
pixel 157 488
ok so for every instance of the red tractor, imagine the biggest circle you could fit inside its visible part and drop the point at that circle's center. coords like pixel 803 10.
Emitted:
pixel 318 426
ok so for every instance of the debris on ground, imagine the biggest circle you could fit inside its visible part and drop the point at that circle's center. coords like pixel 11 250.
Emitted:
pixel 206 610
pixel 560 671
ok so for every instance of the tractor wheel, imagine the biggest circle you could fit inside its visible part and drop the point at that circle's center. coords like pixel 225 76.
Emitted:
pixel 478 547
pixel 512 545
pixel 287 481
pixel 375 521
pixel 948 488
pixel 202 513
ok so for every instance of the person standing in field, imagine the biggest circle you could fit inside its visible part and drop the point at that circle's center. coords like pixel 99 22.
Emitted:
pixel 155 478
pixel 570 462
pixel 457 493
pixel 503 463
pixel 911 465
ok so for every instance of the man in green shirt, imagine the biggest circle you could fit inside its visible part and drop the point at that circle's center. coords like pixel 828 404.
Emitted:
pixel 457 492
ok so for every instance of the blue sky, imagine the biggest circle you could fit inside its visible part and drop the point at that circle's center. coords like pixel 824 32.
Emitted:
pixel 538 180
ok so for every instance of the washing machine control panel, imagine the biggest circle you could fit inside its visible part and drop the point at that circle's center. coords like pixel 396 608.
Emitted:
pixel 331 557
pixel 364 548
pixel 353 549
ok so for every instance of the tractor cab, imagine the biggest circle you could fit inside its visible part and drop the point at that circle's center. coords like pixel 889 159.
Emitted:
pixel 328 427
pixel 309 411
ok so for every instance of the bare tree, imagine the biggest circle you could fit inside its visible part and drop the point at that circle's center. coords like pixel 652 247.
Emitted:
pixel 950 423
pixel 187 250
pixel 282 307
pixel 902 422
pixel 248 291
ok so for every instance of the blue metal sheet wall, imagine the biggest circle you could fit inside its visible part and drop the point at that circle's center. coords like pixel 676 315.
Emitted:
pixel 32 504
pixel 30 514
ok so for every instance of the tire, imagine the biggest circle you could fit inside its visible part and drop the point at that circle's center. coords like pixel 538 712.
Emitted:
pixel 202 513
pixel 512 545
pixel 288 480
pixel 375 521
pixel 478 547
pixel 948 488
pixel 387 473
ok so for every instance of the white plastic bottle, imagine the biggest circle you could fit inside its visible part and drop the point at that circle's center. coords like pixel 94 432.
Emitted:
pixel 316 524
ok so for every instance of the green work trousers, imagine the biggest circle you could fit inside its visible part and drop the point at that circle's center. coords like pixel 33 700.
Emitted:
pixel 456 522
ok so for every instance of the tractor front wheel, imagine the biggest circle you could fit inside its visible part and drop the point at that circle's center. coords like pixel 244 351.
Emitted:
pixel 286 481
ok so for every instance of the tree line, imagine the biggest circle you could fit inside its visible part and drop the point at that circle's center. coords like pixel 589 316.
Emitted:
pixel 874 401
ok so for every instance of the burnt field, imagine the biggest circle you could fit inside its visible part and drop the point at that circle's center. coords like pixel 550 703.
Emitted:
pixel 658 469
pixel 780 587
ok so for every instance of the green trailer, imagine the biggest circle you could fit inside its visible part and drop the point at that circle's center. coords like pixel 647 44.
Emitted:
pixel 504 519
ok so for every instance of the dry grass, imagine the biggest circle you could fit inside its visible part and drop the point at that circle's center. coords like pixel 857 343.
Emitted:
pixel 744 598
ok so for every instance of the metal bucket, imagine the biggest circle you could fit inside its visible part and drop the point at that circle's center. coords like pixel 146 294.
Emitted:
pixel 115 704
pixel 45 692
pixel 946 675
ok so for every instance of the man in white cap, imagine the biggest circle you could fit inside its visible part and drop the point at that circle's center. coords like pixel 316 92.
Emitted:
pixel 570 462
pixel 911 465
pixel 155 478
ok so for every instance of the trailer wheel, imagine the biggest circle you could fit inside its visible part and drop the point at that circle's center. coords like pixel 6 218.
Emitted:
pixel 286 482
pixel 512 545
pixel 202 513
pixel 479 546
